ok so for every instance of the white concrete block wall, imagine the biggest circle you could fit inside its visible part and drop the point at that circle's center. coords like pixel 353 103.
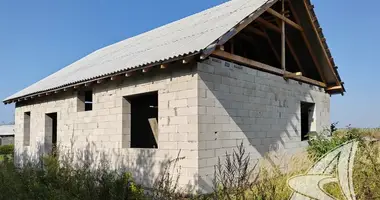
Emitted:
pixel 106 129
pixel 240 104
pixel 205 109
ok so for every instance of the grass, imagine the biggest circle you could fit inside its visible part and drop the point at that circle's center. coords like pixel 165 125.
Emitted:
pixel 236 177
pixel 366 170
pixel 9 156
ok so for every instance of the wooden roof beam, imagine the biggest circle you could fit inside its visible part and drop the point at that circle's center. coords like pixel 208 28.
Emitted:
pixel 308 45
pixel 256 31
pixel 283 42
pixel 264 67
pixel 272 47
pixel 285 19
pixel 264 34
pixel 288 75
pixel 293 52
pixel 247 38
pixel 339 87
pixel 268 24
pixel 319 33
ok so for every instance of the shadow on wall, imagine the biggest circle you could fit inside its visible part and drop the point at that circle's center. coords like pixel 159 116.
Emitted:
pixel 256 108
pixel 142 163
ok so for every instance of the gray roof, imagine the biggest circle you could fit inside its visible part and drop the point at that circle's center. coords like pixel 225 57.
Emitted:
pixel 7 130
pixel 187 36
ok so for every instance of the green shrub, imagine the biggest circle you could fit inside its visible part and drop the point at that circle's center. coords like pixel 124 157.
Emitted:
pixel 366 170
pixel 6 149
pixel 50 178
pixel 320 144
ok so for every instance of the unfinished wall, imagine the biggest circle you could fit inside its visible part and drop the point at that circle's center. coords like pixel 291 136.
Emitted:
pixel 240 104
pixel 103 129
pixel 204 110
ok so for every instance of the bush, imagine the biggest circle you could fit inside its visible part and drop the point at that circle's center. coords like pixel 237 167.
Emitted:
pixel 7 149
pixel 366 165
pixel 232 176
pixel 320 144
pixel 52 179
pixel 235 179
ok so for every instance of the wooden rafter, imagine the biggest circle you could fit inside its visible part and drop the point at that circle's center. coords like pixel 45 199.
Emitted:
pixel 232 32
pixel 268 24
pixel 285 19
pixel 256 31
pixel 319 68
pixel 247 38
pixel 263 33
pixel 339 87
pixel 279 30
pixel 283 43
pixel 293 52
pixel 232 45
pixel 272 46
pixel 264 67
pixel 320 41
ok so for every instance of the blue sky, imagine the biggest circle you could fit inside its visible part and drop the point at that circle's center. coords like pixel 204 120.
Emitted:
pixel 39 37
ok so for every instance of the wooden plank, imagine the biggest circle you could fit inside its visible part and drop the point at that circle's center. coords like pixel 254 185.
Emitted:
pixel 263 67
pixel 308 45
pixel 320 41
pixel 293 52
pixel 292 75
pixel 246 61
pixel 247 38
pixel 264 34
pixel 268 24
pixel 232 32
pixel 154 126
pixel 256 31
pixel 284 19
pixel 232 46
pixel 339 87
pixel 244 23
pixel 283 43
pixel 272 46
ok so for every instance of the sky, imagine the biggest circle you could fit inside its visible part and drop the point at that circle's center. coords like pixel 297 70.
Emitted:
pixel 39 37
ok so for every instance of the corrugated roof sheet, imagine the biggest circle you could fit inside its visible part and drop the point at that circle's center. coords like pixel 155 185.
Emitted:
pixel 7 130
pixel 183 37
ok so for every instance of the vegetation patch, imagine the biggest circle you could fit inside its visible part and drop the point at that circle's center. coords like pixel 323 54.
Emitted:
pixel 236 175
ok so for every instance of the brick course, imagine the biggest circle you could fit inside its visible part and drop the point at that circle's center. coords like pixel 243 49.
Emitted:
pixel 261 110
pixel 205 109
